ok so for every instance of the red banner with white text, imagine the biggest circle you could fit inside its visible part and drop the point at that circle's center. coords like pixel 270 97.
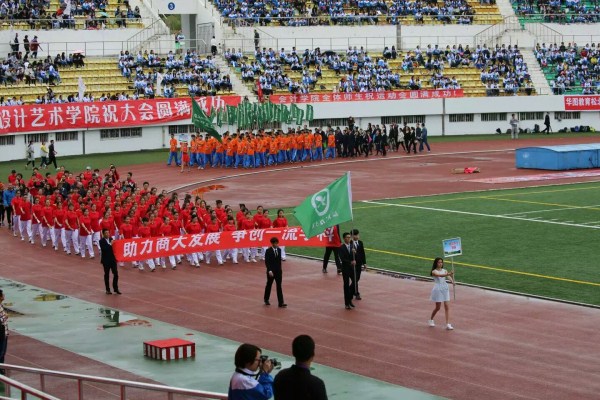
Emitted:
pixel 366 96
pixel 104 114
pixel 582 103
pixel 147 248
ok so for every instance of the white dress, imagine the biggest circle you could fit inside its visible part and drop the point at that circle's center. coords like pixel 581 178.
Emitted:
pixel 440 291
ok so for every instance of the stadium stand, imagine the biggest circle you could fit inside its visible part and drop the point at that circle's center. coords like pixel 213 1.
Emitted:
pixel 478 72
pixel 357 12
pixel 129 77
pixel 569 68
pixel 80 14
pixel 569 11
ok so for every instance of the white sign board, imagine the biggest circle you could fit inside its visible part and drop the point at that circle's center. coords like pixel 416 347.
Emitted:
pixel 175 6
pixel 452 247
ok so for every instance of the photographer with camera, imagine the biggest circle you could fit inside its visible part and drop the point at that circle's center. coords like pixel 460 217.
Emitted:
pixel 296 382
pixel 251 379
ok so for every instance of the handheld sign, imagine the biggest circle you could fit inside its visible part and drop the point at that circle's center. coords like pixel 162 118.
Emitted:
pixel 452 247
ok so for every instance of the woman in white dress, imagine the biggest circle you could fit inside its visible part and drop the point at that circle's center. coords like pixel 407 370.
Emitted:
pixel 440 292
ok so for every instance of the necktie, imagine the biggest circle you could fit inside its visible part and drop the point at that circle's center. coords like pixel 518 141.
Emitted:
pixel 275 250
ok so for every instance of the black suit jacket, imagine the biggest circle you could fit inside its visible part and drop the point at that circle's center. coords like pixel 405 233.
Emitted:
pixel 345 256
pixel 297 383
pixel 107 256
pixel 272 262
pixel 361 257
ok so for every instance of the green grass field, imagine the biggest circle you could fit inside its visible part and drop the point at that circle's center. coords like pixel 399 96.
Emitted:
pixel 541 241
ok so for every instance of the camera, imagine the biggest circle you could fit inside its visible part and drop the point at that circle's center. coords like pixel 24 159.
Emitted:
pixel 276 364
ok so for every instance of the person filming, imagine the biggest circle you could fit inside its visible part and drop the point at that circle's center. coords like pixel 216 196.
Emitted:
pixel 252 378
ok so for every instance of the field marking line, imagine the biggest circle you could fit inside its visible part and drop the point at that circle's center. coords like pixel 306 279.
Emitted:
pixel 557 209
pixel 565 206
pixel 486 267
pixel 482 215
pixel 552 191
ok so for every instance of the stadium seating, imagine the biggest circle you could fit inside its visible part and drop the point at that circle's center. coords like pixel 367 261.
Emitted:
pixel 570 69
pixel 361 12
pixel 569 11
pixel 416 70
pixel 85 15
pixel 102 77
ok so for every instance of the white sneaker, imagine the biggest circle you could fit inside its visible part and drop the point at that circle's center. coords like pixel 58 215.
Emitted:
pixel 449 327
pixel 431 322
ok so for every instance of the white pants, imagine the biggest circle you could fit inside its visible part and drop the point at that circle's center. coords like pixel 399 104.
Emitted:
pixel 36 230
pixel 209 254
pixel 45 234
pixel 96 239
pixel 248 253
pixel 56 234
pixel 150 263
pixel 86 242
pixel 25 229
pixel 171 260
pixel 16 222
pixel 71 237
pixel 233 253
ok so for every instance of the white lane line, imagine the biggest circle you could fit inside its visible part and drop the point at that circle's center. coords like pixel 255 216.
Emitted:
pixel 554 209
pixel 483 215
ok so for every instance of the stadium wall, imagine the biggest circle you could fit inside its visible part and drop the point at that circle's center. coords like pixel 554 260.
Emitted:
pixel 458 116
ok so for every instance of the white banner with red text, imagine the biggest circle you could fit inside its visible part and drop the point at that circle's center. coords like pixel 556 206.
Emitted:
pixel 366 96
pixel 146 248
pixel 582 103
pixel 104 114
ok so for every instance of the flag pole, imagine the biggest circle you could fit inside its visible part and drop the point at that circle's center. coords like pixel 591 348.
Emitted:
pixel 352 237
pixel 453 278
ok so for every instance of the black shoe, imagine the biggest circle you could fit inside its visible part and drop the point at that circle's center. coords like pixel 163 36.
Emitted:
pixel 324 270
pixel 117 292
pixel 267 303
pixel 348 307
pixel 352 305
pixel 108 292
pixel 357 297
pixel 339 271
pixel 283 305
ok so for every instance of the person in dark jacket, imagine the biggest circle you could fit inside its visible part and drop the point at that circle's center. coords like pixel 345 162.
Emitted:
pixel 274 273
pixel 109 262
pixel 296 382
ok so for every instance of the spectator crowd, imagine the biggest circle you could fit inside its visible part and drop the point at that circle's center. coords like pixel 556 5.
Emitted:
pixel 573 66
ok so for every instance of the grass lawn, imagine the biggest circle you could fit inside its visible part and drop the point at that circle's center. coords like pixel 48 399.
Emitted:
pixel 541 241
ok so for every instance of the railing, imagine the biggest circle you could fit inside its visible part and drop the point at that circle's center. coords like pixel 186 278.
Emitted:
pixel 24 390
pixel 490 35
pixel 79 23
pixel 543 33
pixel 123 385
pixel 156 28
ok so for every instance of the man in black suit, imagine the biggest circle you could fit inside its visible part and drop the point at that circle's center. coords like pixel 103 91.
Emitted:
pixel 273 264
pixel 361 262
pixel 296 382
pixel 347 257
pixel 109 262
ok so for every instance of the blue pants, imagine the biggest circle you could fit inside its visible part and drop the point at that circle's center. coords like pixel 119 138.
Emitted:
pixel 294 154
pixel 219 159
pixel 330 153
pixel 249 161
pixel 229 161
pixel 318 154
pixel 272 159
pixel 173 155
pixel 424 142
pixel 239 160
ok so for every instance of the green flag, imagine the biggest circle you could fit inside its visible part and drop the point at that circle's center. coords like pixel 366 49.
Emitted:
pixel 231 115
pixel 202 122
pixel 326 208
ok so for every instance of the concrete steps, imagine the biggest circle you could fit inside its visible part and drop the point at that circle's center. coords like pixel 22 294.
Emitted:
pixel 238 86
